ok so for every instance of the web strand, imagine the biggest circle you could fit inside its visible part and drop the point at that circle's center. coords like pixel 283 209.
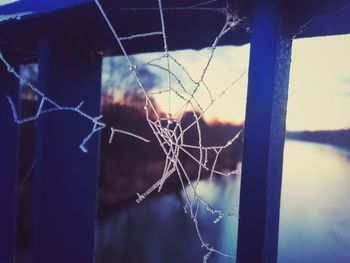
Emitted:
pixel 170 131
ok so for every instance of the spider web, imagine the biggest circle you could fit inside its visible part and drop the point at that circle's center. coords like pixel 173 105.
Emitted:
pixel 169 130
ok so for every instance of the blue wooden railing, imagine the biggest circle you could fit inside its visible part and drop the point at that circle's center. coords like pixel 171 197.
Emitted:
pixel 65 181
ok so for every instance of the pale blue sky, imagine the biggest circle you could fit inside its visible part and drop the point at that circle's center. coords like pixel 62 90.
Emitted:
pixel 4 2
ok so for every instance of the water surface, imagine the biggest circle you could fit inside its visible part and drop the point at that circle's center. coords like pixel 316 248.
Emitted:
pixel 315 216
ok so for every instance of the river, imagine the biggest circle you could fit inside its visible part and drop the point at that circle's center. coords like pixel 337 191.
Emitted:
pixel 314 224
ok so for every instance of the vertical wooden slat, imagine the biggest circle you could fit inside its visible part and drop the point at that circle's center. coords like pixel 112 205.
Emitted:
pixel 66 180
pixel 9 138
pixel 264 135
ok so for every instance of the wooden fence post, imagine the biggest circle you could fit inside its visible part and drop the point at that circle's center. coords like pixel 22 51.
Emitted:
pixel 65 182
pixel 264 135
pixel 9 138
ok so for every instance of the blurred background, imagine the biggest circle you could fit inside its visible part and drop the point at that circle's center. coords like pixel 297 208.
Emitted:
pixel 315 212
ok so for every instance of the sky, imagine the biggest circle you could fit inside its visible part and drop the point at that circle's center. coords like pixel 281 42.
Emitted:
pixel 319 96
pixel 319 88
pixel 4 2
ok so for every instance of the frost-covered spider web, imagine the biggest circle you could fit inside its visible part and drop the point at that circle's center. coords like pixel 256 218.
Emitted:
pixel 170 131
pixel 184 93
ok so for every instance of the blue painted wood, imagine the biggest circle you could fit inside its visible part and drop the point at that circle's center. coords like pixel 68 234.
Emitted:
pixel 66 180
pixel 9 137
pixel 264 135
pixel 34 7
